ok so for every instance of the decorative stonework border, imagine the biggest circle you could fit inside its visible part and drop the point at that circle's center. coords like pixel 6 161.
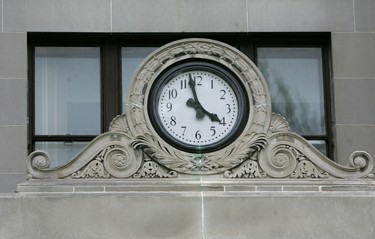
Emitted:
pixel 146 138
pixel 266 149
pixel 108 155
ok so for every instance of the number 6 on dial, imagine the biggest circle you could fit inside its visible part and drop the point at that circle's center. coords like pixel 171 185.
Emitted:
pixel 198 106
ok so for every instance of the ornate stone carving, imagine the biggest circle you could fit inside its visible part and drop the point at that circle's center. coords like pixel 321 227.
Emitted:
pixel 120 162
pixel 151 169
pixel 199 163
pixel 305 169
pixel 94 169
pixel 232 155
pixel 40 160
pixel 119 123
pixel 278 123
pixel 37 160
pixel 361 160
pixel 108 155
pixel 112 161
pixel 132 148
pixel 248 169
pixel 280 161
pixel 288 155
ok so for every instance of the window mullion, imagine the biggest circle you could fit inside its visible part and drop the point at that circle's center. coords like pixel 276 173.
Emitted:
pixel 63 137
pixel 327 100
pixel 111 84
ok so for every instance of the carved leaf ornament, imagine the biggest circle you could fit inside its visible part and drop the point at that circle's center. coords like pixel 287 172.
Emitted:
pixel 264 149
pixel 146 138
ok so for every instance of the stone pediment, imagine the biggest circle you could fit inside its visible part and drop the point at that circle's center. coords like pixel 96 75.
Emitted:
pixel 265 148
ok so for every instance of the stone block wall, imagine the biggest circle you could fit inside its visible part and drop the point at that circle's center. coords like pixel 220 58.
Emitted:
pixel 351 22
pixel 189 214
pixel 353 57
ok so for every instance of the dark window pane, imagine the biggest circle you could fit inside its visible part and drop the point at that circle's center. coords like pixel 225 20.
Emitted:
pixel 320 145
pixel 67 91
pixel 60 152
pixel 295 79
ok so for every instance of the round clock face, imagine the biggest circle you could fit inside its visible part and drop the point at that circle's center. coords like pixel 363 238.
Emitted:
pixel 198 106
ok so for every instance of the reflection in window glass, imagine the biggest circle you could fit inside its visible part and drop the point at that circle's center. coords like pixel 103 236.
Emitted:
pixel 60 152
pixel 295 79
pixel 320 145
pixel 131 59
pixel 67 91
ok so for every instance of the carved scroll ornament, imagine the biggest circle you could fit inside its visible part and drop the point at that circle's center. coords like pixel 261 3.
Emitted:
pixel 266 148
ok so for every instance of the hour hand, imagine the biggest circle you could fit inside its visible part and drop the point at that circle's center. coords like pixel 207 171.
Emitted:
pixel 201 111
pixel 191 103
pixel 198 108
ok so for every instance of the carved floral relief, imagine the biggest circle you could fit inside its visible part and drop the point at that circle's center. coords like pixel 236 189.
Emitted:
pixel 266 148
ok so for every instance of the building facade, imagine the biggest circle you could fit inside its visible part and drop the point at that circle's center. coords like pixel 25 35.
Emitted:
pixel 348 23
pixel 342 32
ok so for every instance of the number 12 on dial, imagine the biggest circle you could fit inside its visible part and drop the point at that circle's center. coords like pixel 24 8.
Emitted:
pixel 198 107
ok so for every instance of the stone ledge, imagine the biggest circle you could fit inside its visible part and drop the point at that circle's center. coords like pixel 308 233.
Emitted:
pixel 195 185
pixel 190 214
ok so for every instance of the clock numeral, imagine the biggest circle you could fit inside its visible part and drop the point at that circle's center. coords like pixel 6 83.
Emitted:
pixel 228 108
pixel 169 106
pixel 222 122
pixel 183 84
pixel 223 94
pixel 198 136
pixel 173 121
pixel 199 78
pixel 172 94
pixel 184 130
pixel 212 129
pixel 212 84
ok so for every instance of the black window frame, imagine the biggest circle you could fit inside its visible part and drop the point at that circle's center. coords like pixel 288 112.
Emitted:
pixel 111 80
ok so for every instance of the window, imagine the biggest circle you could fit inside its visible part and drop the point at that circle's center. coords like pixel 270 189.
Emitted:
pixel 131 58
pixel 67 99
pixel 295 80
pixel 79 83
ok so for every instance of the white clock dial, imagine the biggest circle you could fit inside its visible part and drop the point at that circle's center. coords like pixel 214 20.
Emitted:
pixel 198 118
pixel 198 107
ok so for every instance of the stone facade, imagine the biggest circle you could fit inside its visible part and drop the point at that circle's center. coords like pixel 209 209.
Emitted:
pixel 350 21
pixel 344 211
pixel 265 147
pixel 128 211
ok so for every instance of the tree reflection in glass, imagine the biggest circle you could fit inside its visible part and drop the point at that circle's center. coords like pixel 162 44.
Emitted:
pixel 295 79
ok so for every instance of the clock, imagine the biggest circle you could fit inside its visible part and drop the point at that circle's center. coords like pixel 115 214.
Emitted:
pixel 198 106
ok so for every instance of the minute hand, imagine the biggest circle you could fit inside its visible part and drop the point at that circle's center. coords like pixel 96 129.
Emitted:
pixel 198 107
pixel 192 86
pixel 213 117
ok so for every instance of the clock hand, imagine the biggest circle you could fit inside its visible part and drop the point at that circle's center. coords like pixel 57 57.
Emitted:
pixel 197 105
pixel 201 111
pixel 192 86
pixel 195 102
pixel 213 117
pixel 191 103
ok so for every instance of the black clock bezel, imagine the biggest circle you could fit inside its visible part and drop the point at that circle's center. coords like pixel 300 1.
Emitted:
pixel 206 65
